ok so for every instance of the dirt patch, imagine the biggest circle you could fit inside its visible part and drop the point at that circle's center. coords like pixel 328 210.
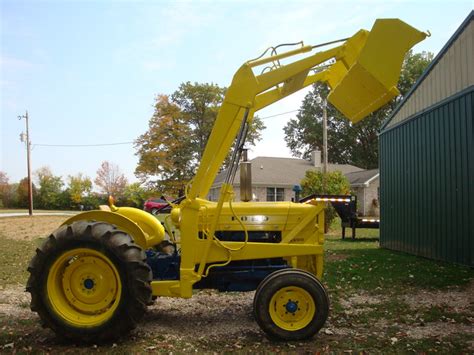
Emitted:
pixel 438 330
pixel 359 303
pixel 29 228
pixel 218 313
pixel 361 299
pixel 207 312
pixel 15 302
pixel 455 300
pixel 335 257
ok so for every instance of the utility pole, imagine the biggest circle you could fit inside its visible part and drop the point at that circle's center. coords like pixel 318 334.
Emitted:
pixel 325 142
pixel 28 163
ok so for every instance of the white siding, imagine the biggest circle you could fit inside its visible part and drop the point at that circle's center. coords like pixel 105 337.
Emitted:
pixel 260 193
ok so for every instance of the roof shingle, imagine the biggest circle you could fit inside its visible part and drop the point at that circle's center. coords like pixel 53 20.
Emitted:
pixel 273 171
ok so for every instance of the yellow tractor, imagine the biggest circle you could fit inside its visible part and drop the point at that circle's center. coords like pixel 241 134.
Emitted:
pixel 93 277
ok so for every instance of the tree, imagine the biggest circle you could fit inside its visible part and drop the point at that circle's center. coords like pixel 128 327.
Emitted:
pixel 4 187
pixel 335 184
pixel 110 180
pixel 199 105
pixel 165 150
pixel 79 187
pixel 22 193
pixel 48 196
pixel 348 143
pixel 134 195
pixel 94 200
pixel 170 151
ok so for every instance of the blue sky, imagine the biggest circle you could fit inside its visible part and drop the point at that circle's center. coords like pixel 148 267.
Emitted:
pixel 88 71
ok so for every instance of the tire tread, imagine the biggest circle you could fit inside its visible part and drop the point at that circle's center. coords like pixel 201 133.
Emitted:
pixel 135 277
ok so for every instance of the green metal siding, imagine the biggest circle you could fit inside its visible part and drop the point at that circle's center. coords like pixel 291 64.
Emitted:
pixel 427 182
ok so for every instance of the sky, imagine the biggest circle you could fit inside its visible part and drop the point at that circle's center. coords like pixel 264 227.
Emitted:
pixel 88 71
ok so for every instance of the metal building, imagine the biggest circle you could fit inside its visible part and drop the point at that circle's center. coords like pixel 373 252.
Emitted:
pixel 427 159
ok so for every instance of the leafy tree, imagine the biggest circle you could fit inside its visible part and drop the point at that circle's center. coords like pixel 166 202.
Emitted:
pixel 348 143
pixel 10 196
pixel 64 200
pixel 335 184
pixel 4 187
pixel 94 200
pixel 165 151
pixel 22 193
pixel 134 195
pixel 50 189
pixel 110 179
pixel 3 179
pixel 170 151
pixel 79 187
pixel 199 105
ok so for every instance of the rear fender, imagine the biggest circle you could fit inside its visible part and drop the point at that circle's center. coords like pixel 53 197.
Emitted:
pixel 123 223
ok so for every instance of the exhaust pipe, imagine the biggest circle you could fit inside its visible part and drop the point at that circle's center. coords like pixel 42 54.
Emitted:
pixel 245 178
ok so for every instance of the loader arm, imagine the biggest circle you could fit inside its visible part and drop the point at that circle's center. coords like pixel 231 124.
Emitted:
pixel 363 74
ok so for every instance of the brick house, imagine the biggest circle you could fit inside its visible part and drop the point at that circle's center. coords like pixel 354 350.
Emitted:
pixel 273 179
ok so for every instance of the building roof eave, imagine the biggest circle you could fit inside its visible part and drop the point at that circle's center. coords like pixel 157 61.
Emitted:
pixel 433 63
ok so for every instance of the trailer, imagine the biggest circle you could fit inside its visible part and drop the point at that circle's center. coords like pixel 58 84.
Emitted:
pixel 346 208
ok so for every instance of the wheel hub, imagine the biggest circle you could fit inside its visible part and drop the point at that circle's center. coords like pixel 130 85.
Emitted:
pixel 291 306
pixel 88 284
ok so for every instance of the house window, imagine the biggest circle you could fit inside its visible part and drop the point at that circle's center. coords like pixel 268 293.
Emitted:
pixel 213 193
pixel 275 194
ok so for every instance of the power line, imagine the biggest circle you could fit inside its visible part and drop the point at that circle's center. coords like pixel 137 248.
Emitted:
pixel 278 114
pixel 130 142
pixel 82 145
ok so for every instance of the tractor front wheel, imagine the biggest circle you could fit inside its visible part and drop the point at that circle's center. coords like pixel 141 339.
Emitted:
pixel 291 305
pixel 89 282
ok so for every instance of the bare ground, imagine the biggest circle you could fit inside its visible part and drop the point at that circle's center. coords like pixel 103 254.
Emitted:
pixel 212 321
pixel 433 320
pixel 29 228
pixel 457 301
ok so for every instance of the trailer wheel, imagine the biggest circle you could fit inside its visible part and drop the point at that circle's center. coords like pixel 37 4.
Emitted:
pixel 89 282
pixel 291 305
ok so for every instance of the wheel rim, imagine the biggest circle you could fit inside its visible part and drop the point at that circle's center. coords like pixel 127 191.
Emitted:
pixel 84 287
pixel 292 308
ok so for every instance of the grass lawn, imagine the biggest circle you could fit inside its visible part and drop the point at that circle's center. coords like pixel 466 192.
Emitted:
pixel 413 300
pixel 25 210
pixel 381 301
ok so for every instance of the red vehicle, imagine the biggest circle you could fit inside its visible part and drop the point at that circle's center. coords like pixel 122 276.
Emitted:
pixel 153 204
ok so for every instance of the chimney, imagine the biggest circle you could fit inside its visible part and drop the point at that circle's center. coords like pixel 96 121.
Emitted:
pixel 316 158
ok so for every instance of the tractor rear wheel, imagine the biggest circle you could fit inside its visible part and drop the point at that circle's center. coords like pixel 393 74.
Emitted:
pixel 89 282
pixel 291 304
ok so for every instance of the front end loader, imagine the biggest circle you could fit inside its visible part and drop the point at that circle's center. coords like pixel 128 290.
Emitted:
pixel 94 276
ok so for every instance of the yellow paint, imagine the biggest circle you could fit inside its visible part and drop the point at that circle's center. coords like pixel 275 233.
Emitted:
pixel 145 230
pixel 153 229
pixel 83 287
pixel 283 316
pixel 362 73
pixel 376 68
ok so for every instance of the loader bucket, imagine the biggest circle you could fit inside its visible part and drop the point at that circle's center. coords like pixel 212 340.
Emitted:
pixel 372 78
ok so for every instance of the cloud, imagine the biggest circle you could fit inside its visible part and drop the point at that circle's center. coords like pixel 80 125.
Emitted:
pixel 10 63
